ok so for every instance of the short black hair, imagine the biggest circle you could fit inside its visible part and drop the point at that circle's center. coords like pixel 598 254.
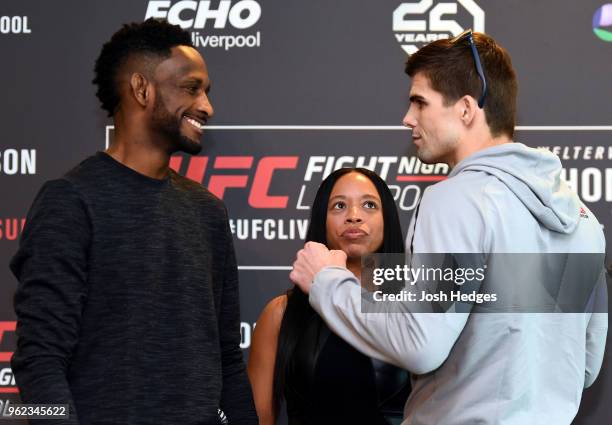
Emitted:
pixel 153 37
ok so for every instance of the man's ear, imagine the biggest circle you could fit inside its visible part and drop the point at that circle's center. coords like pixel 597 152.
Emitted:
pixel 467 108
pixel 140 88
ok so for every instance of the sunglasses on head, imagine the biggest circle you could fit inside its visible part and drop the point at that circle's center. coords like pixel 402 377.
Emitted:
pixel 469 36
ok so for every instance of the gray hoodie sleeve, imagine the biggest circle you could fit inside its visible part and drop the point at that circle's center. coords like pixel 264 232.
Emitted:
pixel 418 342
pixel 597 331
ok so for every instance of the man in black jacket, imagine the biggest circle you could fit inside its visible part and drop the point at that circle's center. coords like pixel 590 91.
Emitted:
pixel 127 303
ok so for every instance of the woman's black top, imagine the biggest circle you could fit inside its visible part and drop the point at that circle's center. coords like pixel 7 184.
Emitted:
pixel 330 382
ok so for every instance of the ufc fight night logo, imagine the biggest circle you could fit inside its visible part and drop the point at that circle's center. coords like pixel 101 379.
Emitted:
pixel 222 16
pixel 417 23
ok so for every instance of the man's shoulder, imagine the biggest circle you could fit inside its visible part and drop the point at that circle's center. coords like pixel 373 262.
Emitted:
pixel 86 170
pixel 462 190
pixel 467 182
pixel 60 189
pixel 198 192
pixel 58 200
pixel 454 215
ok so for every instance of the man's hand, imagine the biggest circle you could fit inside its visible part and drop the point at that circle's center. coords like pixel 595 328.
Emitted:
pixel 311 260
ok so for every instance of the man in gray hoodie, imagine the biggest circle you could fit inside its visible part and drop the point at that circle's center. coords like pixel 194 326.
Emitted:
pixel 501 197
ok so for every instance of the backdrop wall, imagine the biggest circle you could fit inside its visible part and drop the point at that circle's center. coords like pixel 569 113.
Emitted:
pixel 299 88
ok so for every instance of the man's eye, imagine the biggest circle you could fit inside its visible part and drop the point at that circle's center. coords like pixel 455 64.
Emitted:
pixel 191 90
pixel 419 103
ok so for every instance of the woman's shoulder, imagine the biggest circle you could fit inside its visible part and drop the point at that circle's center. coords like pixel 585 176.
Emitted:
pixel 272 314
pixel 279 302
pixel 277 305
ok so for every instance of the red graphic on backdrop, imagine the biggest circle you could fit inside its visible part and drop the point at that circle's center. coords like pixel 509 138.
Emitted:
pixel 11 228
pixel 259 189
pixel 421 178
pixel 6 376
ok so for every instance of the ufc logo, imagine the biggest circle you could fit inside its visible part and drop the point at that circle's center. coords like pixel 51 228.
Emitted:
pixel 259 187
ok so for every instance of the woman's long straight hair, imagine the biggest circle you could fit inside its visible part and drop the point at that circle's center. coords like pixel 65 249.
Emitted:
pixel 298 311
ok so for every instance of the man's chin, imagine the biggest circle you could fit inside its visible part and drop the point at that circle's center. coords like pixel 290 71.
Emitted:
pixel 188 146
pixel 426 157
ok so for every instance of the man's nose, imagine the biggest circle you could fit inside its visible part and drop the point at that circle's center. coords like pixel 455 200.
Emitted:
pixel 204 105
pixel 409 119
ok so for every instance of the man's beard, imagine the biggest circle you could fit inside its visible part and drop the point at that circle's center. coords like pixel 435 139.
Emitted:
pixel 170 127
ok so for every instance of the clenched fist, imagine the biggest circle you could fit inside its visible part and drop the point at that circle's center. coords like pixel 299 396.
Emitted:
pixel 310 260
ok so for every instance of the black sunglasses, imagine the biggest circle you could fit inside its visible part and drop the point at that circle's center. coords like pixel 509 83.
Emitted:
pixel 469 36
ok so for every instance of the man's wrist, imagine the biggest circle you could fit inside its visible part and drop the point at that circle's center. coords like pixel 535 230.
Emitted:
pixel 324 269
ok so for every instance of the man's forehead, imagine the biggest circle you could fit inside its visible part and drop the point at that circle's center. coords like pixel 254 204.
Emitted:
pixel 420 84
pixel 183 60
pixel 187 53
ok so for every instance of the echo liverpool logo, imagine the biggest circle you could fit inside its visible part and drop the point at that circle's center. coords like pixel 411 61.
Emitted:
pixel 602 22
pixel 212 25
pixel 418 23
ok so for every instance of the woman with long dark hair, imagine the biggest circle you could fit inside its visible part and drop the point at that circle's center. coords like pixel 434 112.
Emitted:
pixel 295 357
